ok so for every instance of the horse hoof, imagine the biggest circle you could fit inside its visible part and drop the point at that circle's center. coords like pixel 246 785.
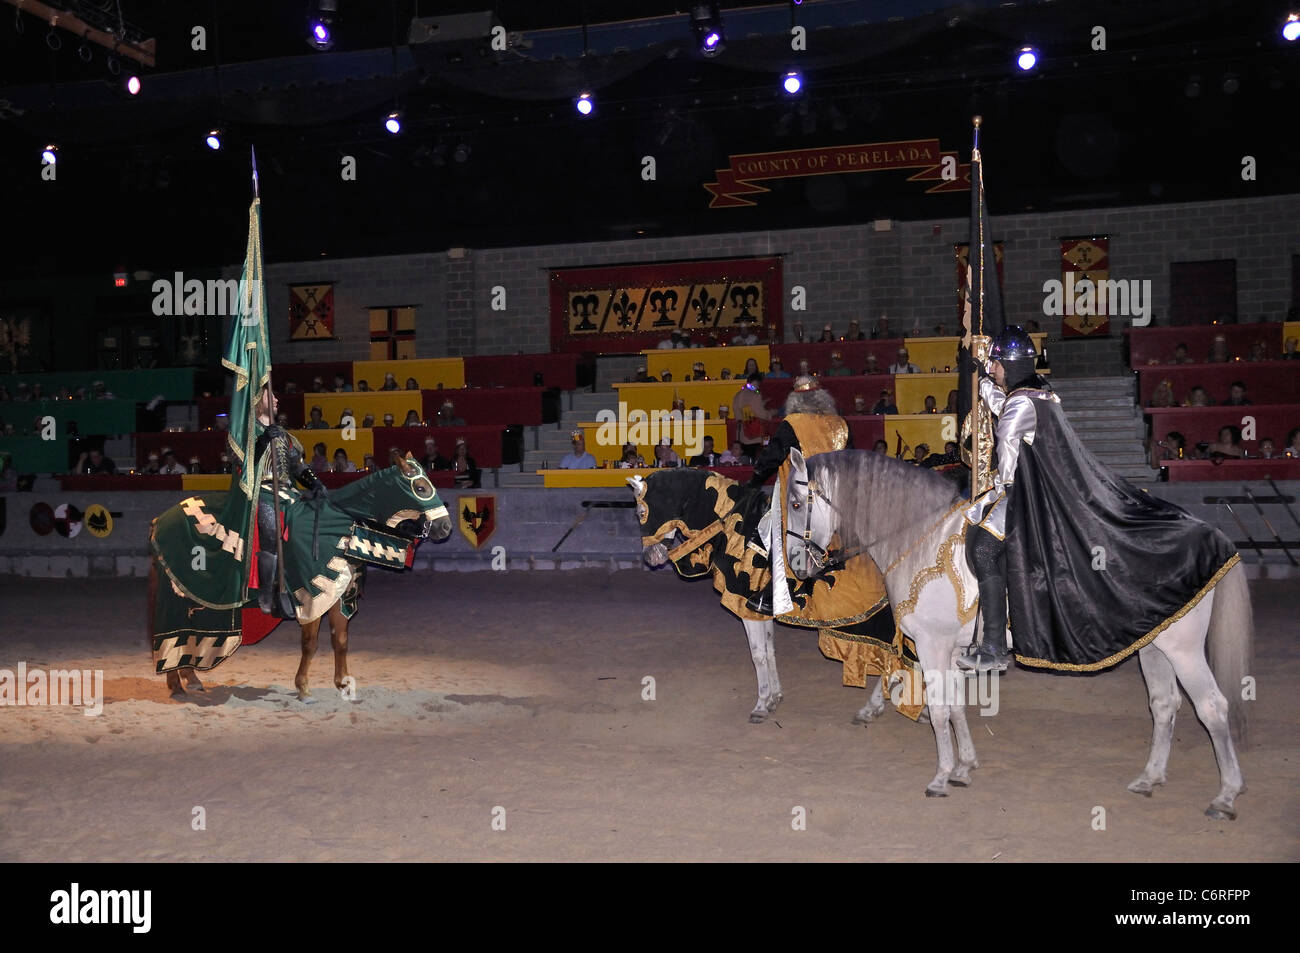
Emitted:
pixel 864 720
pixel 932 792
pixel 959 782
pixel 1220 813
pixel 756 718
pixel 776 700
pixel 1143 786
pixel 306 698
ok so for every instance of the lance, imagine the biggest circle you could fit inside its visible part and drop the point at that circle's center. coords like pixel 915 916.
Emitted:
pixel 1267 525
pixel 1282 499
pixel 974 315
pixel 1242 526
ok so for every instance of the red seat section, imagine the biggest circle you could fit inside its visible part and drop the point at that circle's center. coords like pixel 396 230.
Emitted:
pixel 866 430
pixel 517 370
pixel 443 479
pixel 1157 344
pixel 499 406
pixel 776 389
pixel 854 354
pixel 302 374
pixel 132 482
pixel 1204 423
pixel 206 445
pixel 1233 471
pixel 1267 382
pixel 484 442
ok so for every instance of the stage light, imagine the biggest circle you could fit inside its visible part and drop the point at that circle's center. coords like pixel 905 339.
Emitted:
pixel 1291 28
pixel 320 24
pixel 133 85
pixel 706 22
pixel 1026 58
pixel 585 104
pixel 393 123
pixel 213 139
pixel 792 82
pixel 50 155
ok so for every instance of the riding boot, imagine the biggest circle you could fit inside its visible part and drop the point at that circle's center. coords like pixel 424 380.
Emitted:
pixel 266 577
pixel 987 556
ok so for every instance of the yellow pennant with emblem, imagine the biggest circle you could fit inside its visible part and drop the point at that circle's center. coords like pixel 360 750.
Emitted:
pixel 477 517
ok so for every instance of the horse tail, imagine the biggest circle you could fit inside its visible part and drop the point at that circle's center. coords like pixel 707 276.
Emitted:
pixel 1231 646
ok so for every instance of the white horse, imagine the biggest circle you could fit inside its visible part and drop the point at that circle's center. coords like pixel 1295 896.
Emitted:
pixel 911 522
pixel 759 632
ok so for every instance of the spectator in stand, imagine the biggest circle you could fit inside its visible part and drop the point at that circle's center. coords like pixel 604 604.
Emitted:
pixel 432 459
pixel 947 458
pixel 665 458
pixel 368 421
pixel 665 375
pixel 1163 395
pixel 317 385
pixel 317 421
pixel 319 462
pixel 223 422
pixel 1292 448
pixel 951 406
pixel 746 337
pixel 873 365
pixel 94 463
pixel 152 464
pixel 1267 448
pixel 1258 352
pixel 919 455
pixel 880 447
pixel 1173 447
pixel 798 332
pixel 170 465
pixel 1180 354
pixel 1237 396
pixel 1197 397
pixel 828 335
pixel 931 405
pixel 697 372
pixel 1228 444
pixel 902 365
pixel 1219 350
pixel 751 367
pixel 224 463
pixel 859 405
pixel 707 457
pixel 881 330
pixel 389 421
pixel 447 415
pixel 467 472
pixel 642 377
pixel 578 458
pixel 368 462
pixel 390 382
pixel 1289 352
pixel 341 462
pixel 412 419
pixel 777 370
pixel 341 386
pixel 632 458
pixel 838 368
pixel 735 456
pixel 196 465
pixel 346 419
pixel 412 384
pixel 282 420
pixel 886 403
pixel 363 386
pixel 805 370
pixel 855 332
pixel 290 387
pixel 749 408
pixel 8 477
pixel 22 393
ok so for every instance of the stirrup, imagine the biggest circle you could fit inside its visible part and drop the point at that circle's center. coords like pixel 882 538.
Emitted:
pixel 977 658
pixel 761 603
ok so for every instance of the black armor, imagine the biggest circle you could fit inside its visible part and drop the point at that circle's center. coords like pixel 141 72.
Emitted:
pixel 283 473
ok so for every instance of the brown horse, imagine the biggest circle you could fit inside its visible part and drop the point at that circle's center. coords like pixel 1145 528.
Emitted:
pixel 411 508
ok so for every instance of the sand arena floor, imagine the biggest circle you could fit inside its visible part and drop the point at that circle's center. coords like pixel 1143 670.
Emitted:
pixel 523 691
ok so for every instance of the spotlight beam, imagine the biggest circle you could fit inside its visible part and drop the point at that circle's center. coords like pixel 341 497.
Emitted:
pixel 142 51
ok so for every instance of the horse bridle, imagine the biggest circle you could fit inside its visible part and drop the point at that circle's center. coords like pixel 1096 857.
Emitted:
pixel 821 559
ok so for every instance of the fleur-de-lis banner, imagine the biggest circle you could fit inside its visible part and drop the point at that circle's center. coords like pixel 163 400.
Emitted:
pixel 632 307
pixel 311 312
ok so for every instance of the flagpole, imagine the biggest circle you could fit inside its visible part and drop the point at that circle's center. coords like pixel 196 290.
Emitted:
pixel 980 476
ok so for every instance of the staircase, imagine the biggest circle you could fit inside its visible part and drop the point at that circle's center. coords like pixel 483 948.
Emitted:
pixel 546 444
pixel 1103 411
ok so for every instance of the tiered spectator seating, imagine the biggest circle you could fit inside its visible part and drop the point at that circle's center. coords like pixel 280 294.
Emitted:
pixel 1156 345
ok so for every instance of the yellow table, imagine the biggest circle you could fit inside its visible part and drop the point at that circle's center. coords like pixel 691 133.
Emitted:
pixel 1290 329
pixel 395 402
pixel 680 361
pixel 205 482
pixel 363 442
pixel 910 391
pixel 429 373
pixel 707 395
pixel 931 429
pixel 592 478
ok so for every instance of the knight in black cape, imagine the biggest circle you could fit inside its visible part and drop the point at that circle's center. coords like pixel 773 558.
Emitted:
pixel 1094 567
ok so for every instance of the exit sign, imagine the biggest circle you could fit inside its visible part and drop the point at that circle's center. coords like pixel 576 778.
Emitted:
pixel 119 279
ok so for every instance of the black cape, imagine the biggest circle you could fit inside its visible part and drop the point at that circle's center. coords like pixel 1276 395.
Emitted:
pixel 1159 560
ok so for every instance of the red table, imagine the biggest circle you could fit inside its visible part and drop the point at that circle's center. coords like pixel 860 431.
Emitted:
pixel 517 370
pixel 1204 423
pixel 484 442
pixel 775 390
pixel 443 479
pixel 105 484
pixel 205 444
pixel 854 354
pixel 499 406
pixel 1183 471
pixel 1267 382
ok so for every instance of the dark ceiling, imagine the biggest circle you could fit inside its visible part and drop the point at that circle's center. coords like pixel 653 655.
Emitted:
pixel 136 186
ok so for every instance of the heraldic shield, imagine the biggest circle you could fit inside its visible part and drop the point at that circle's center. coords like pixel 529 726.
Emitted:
pixel 477 518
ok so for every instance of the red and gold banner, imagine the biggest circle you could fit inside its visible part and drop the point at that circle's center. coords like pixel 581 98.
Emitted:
pixel 392 334
pixel 633 307
pixel 311 312
pixel 935 165
pixel 1084 263
pixel 962 250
